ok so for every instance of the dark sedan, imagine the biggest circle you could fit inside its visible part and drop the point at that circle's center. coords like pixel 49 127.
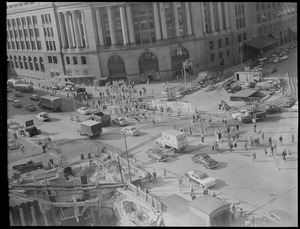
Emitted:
pixel 157 154
pixel 273 109
pixel 205 160
pixel 35 97
pixel 30 107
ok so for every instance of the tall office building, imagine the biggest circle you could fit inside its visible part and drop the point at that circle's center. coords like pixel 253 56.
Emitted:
pixel 88 42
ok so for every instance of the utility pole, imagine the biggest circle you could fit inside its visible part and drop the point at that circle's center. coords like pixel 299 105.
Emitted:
pixel 127 156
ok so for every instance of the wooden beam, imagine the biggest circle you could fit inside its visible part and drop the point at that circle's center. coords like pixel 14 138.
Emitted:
pixel 11 219
pixel 22 217
pixel 74 210
pixel 84 209
pixel 34 222
pixel 75 204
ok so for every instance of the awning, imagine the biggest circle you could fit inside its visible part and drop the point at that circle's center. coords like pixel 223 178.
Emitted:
pixel 79 76
pixel 103 78
pixel 261 42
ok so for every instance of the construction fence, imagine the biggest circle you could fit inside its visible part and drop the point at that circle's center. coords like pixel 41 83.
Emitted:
pixel 146 197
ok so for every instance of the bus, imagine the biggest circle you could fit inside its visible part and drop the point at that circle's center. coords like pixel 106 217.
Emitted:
pixel 24 88
pixel 13 82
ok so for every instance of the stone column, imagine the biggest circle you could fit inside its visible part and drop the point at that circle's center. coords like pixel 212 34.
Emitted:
pixel 188 18
pixel 66 15
pixel 212 19
pixel 130 25
pixel 163 20
pixel 99 27
pixel 79 22
pixel 226 15
pixel 111 26
pixel 72 30
pixel 86 42
pixel 76 29
pixel 156 21
pixel 203 18
pixel 124 25
pixel 220 16
pixel 62 30
pixel 176 22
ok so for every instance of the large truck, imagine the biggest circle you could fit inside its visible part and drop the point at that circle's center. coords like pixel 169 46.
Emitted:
pixel 99 116
pixel 50 102
pixel 13 82
pixel 174 139
pixel 24 88
pixel 252 116
pixel 90 128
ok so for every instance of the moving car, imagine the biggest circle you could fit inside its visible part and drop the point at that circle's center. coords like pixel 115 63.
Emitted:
pixel 133 131
pixel 273 109
pixel 205 160
pixel 11 99
pixel 43 116
pixel 83 110
pixel 12 144
pixel 30 107
pixel 120 121
pixel 35 97
pixel 200 177
pixel 157 154
pixel 19 94
pixel 17 103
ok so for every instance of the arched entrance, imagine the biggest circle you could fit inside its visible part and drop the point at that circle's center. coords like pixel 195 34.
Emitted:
pixel 149 68
pixel 116 67
pixel 179 55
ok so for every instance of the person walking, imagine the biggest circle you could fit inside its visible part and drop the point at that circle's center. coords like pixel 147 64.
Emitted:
pixel 254 127
pixel 265 151
pixel 262 135
pixel 283 155
pixel 293 138
pixel 254 156
pixel 270 141
pixel 193 195
pixel 230 146
pixel 165 172
pixel 280 140
pixel 22 149
pixel 205 192
pixel 154 176
pixel 153 122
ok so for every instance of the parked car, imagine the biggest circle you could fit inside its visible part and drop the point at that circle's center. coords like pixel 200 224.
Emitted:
pixel 284 57
pixel 30 107
pixel 120 121
pixel 17 104
pixel 295 107
pixel 13 144
pixel 276 60
pixel 273 109
pixel 200 177
pixel 205 160
pixel 132 130
pixel 43 116
pixel 19 94
pixel 11 98
pixel 35 97
pixel 157 154
pixel 83 110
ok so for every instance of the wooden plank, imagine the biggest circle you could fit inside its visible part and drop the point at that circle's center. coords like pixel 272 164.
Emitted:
pixel 11 220
pixel 75 206
pixel 22 217
pixel 34 222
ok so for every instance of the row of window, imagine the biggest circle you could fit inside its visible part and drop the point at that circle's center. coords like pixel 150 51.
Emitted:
pixel 24 45
pixel 75 60
pixel 239 10
pixel 242 37
pixel 18 33
pixel 30 63
pixel 21 21
pixel 52 59
pixel 50 45
pixel 211 43
pixel 240 23
pixel 46 18
pixel 19 5
pixel 77 72
pixel 264 5
pixel 48 32
pixel 212 56
pixel 268 16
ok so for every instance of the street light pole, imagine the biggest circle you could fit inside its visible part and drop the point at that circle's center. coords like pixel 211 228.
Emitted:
pixel 184 73
pixel 45 79
pixel 127 157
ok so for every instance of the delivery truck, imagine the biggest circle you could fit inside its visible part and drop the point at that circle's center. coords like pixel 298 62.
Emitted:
pixel 174 139
pixel 31 128
pixel 50 102
pixel 90 128
pixel 99 116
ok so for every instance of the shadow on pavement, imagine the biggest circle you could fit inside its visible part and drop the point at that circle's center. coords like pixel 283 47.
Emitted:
pixel 221 165
pixel 219 184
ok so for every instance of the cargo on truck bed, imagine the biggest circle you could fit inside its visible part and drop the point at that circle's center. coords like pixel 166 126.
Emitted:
pixel 50 102
pixel 90 128
pixel 101 117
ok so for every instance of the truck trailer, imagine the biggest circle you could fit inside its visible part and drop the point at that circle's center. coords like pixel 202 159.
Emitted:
pixel 90 128
pixel 99 116
pixel 174 139
pixel 50 102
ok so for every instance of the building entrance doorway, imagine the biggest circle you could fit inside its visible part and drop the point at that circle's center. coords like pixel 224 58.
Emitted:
pixel 179 55
pixel 148 64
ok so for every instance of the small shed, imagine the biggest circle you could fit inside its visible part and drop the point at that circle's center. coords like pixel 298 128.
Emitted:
pixel 247 95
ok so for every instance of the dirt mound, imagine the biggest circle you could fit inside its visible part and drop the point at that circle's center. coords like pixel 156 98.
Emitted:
pixel 129 206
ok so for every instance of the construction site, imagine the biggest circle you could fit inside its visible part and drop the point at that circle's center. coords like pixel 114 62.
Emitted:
pixel 92 192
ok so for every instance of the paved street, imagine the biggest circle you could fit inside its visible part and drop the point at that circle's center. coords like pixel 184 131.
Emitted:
pixel 253 186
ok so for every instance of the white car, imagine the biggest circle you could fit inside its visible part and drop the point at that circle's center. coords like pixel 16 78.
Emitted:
pixel 133 131
pixel 284 57
pixel 201 177
pixel 83 110
pixel 120 121
pixel 43 116
pixel 12 144
pixel 237 114
pixel 276 60
pixel 295 107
